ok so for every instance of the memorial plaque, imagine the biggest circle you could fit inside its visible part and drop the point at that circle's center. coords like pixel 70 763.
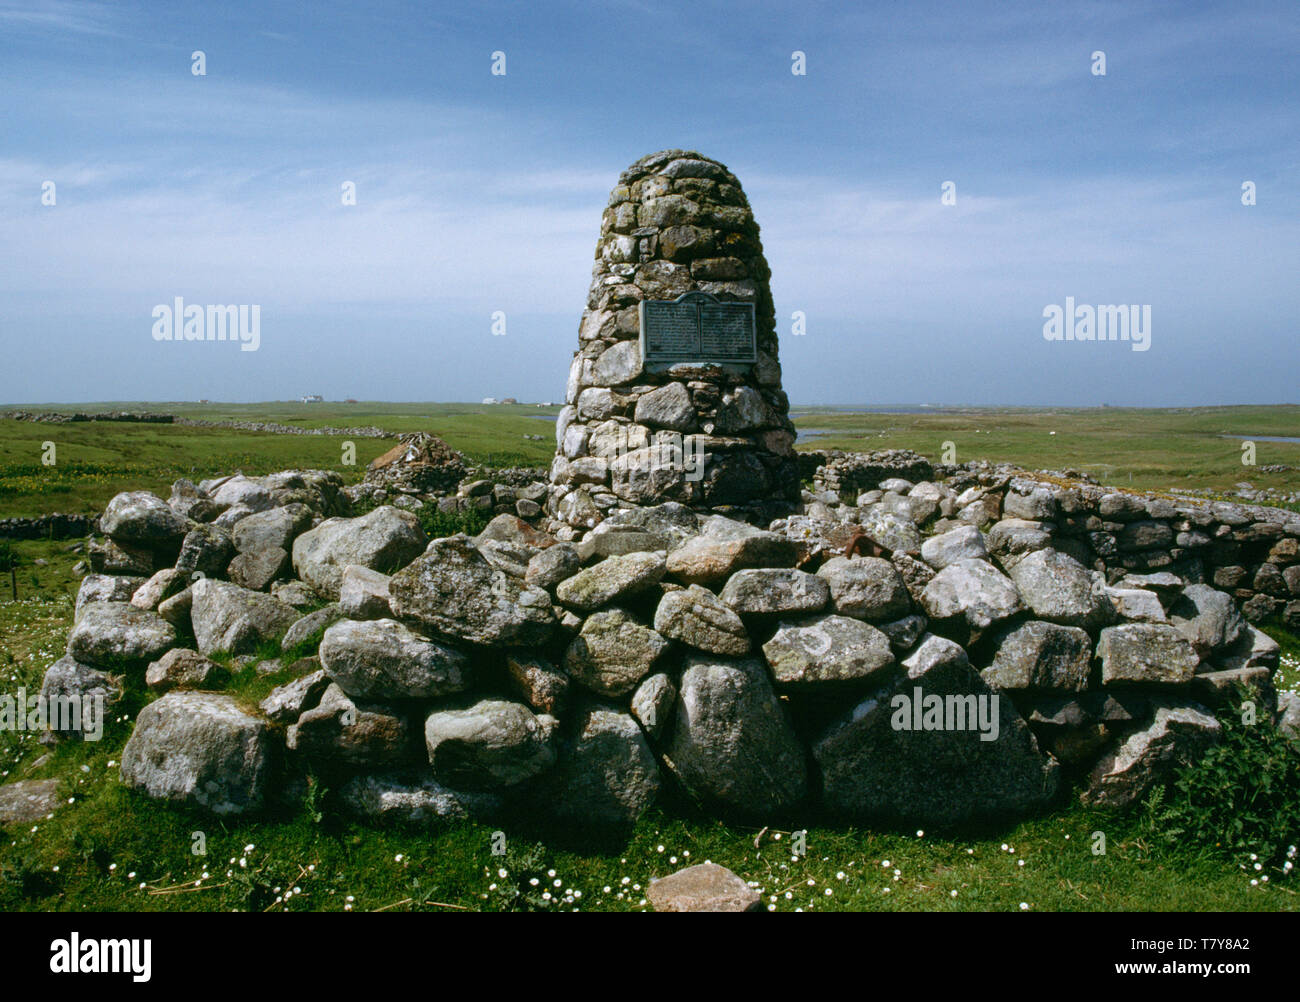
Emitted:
pixel 697 327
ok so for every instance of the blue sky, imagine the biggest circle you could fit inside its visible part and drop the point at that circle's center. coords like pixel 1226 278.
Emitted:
pixel 478 193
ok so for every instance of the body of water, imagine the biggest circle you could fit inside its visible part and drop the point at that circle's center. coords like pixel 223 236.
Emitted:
pixel 1263 438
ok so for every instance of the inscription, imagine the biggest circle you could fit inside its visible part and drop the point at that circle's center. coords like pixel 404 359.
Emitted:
pixel 697 327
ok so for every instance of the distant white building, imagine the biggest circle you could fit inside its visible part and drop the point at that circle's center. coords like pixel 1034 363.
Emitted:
pixel 489 400
pixel 313 398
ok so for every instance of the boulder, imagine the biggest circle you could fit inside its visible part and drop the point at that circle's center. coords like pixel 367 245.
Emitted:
pixel 383 660
pixel 139 518
pixel 774 591
pixel 543 688
pixel 652 703
pixel 28 801
pixel 162 585
pixel 108 557
pixel 181 668
pixel 1040 656
pixel 199 749
pixel 972 592
pixel 490 745
pixel 451 589
pixel 936 746
pixel 105 588
pixel 1145 652
pixel 288 702
pixel 704 887
pixel 612 653
pixel 614 579
pixel 339 733
pixel 725 546
pixel 256 569
pixel 410 799
pixel 229 618
pixel 963 543
pixel 275 529
pixel 1176 736
pixel 548 567
pixel 696 617
pixel 206 549
pixel 305 628
pixel 363 594
pixel 1209 619
pixel 827 649
pixel 1061 590
pixel 78 697
pixel 605 774
pixel 866 588
pixel 116 635
pixel 384 540
pixel 731 744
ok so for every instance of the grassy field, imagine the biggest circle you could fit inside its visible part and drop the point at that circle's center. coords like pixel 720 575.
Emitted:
pixel 1158 449
pixel 107 848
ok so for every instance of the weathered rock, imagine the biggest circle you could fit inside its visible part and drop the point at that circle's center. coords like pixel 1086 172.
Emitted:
pixel 256 569
pixel 904 633
pixel 413 800
pixel 963 543
pixel 612 653
pixel 138 518
pixel 652 703
pixel 288 702
pixel 776 591
pixel 1038 655
pixel 827 649
pixel 363 594
pixel 116 635
pixel 614 579
pixel 704 887
pixel 550 566
pixel 1288 714
pixel 972 591
pixel 199 749
pixel 1137 605
pixel 78 697
pixel 605 774
pixel 162 585
pixel 1209 619
pixel 1060 590
pixel 696 617
pixel 105 588
pixel 275 529
pixel 1013 538
pixel 725 546
pixel 543 688
pixel 877 764
pixel 1253 649
pixel 385 540
pixel 338 732
pixel 206 549
pixel 296 594
pixel 181 668
pixel 28 801
pixel 108 557
pixel 668 406
pixel 311 624
pixel 1145 652
pixel 489 745
pixel 731 744
pixel 227 617
pixel 1176 736
pixel 382 660
pixel 454 591
pixel 865 588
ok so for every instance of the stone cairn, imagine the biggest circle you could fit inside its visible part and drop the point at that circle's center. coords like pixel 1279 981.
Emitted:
pixel 677 223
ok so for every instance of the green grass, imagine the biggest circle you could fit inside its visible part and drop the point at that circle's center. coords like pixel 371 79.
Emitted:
pixel 1147 449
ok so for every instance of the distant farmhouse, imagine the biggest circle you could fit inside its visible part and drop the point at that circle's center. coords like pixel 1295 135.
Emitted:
pixel 489 400
pixel 313 398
